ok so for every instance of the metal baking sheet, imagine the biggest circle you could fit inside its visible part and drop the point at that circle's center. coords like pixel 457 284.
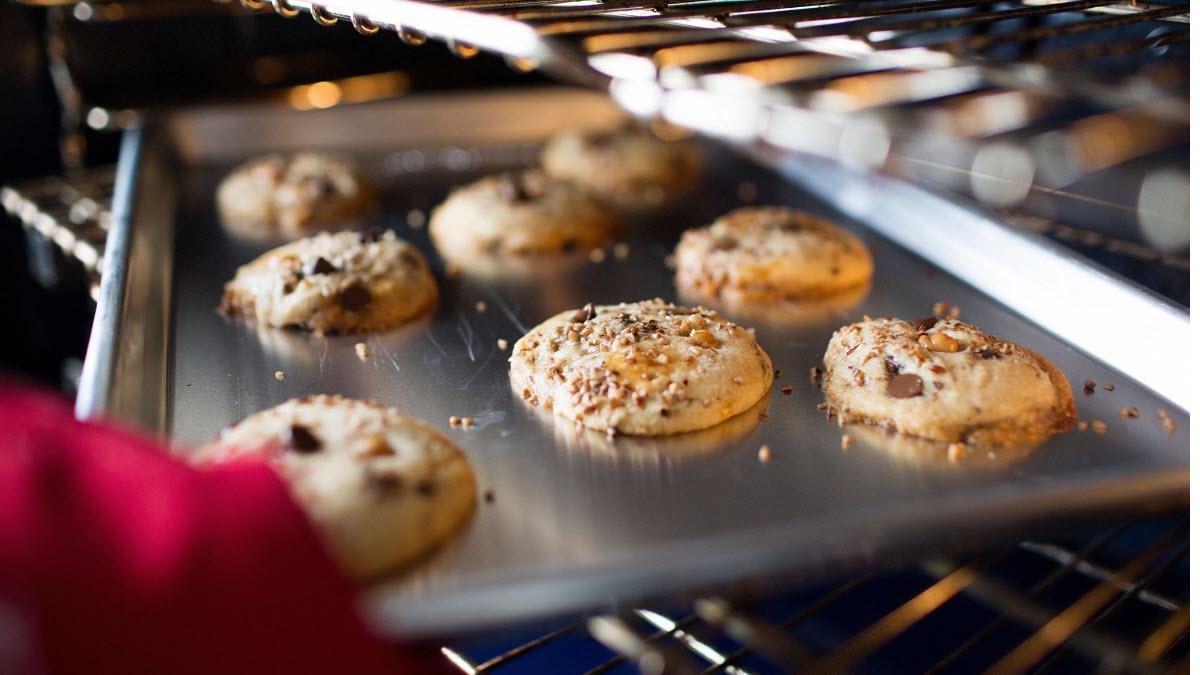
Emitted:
pixel 580 521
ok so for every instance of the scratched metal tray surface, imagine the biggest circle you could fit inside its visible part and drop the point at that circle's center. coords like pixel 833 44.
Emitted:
pixel 579 520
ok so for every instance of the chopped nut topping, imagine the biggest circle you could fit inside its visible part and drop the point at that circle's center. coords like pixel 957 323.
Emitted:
pixel 704 338
pixel 1168 424
pixel 376 446
pixel 859 378
pixel 1109 387
pixel 939 342
pixel 956 452
pixel 455 421
pixel 1099 426
pixel 362 350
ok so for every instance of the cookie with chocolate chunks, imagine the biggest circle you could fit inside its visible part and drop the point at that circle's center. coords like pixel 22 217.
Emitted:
pixel 288 196
pixel 382 488
pixel 944 380
pixel 647 368
pixel 348 282
pixel 513 216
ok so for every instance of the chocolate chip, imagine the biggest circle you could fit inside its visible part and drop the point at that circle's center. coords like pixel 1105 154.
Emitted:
pixel 489 496
pixel 905 386
pixel 370 235
pixel 354 297
pixel 724 244
pixel 513 188
pixel 569 245
pixel 891 365
pixel 986 353
pixel 586 313
pixel 383 484
pixel 426 488
pixel 300 439
pixel 319 266
pixel 922 325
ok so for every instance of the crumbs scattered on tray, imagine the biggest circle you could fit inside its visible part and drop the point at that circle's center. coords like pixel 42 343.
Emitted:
pixel 453 271
pixel 1099 426
pixel 945 310
pixel 363 351
pixel 764 454
pixel 480 307
pixel 786 390
pixel 596 255
pixel 415 219
pixel 847 441
pixel 1089 387
pixel 502 344
pixel 279 375
pixel 620 250
pixel 1130 413
pixel 1168 424
pixel 1109 387
pixel 956 452
pixel 462 422
pixel 747 191
pixel 815 375
pixel 489 496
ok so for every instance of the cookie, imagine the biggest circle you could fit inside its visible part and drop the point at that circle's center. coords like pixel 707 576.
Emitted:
pixel 770 254
pixel 348 282
pixel 382 488
pixel 944 380
pixel 291 196
pixel 520 214
pixel 648 368
pixel 626 165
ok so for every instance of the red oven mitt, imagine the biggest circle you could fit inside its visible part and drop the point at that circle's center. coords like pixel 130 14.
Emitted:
pixel 116 558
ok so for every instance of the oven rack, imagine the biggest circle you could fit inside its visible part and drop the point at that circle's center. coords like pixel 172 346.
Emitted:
pixel 1114 601
pixel 1016 104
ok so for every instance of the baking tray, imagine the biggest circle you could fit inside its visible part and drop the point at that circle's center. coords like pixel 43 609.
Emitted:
pixel 580 521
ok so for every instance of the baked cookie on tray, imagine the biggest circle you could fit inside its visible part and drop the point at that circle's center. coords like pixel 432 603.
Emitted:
pixel 626 165
pixel 348 282
pixel 520 214
pixel 289 196
pixel 647 368
pixel 382 488
pixel 944 380
pixel 769 255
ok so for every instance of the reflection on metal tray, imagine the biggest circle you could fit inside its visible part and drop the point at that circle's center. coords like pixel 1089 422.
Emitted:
pixel 577 520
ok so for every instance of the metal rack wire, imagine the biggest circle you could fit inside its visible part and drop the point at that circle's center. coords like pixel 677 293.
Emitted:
pixel 1016 104
pixel 1112 601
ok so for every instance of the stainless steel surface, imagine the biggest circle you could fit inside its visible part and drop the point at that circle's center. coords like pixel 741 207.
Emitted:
pixel 579 520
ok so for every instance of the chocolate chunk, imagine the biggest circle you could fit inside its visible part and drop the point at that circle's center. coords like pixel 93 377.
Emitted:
pixel 354 297
pixel 922 325
pixel 489 496
pixel 987 353
pixel 426 488
pixel 586 313
pixel 891 365
pixel 514 189
pixel 300 439
pixel 905 386
pixel 724 244
pixel 319 266
pixel 370 235
pixel 383 484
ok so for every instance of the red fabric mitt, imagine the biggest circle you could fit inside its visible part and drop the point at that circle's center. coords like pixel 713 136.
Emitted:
pixel 117 558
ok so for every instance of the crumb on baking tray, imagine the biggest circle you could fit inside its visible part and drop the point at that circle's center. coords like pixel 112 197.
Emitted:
pixel 362 350
pixel 502 344
pixel 279 375
pixel 764 454
pixel 847 441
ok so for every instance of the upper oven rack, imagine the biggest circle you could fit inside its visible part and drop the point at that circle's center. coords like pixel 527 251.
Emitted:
pixel 1017 104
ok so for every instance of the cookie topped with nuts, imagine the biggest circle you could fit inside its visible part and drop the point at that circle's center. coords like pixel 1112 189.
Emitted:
pixel 382 488
pixel 523 213
pixel 647 368
pixel 626 165
pixel 769 255
pixel 289 196
pixel 348 282
pixel 945 380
